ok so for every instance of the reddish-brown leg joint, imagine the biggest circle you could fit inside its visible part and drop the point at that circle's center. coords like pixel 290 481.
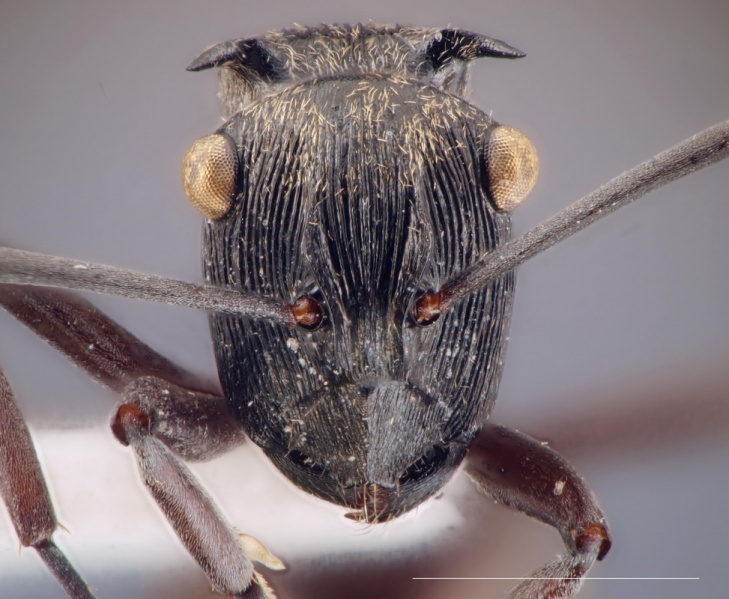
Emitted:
pixel 595 535
pixel 525 475
pixel 129 415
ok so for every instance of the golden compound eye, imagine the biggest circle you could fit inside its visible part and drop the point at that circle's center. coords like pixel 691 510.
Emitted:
pixel 209 174
pixel 512 166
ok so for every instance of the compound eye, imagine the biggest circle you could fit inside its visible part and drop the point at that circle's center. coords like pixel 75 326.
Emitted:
pixel 209 175
pixel 511 167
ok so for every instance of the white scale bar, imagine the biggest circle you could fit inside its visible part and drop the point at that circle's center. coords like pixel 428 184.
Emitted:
pixel 556 578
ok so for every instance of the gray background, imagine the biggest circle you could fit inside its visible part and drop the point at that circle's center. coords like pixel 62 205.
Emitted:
pixel 96 113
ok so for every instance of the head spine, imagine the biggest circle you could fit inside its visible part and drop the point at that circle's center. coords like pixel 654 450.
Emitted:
pixel 253 68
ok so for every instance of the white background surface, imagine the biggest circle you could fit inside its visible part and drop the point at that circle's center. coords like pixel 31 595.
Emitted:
pixel 96 113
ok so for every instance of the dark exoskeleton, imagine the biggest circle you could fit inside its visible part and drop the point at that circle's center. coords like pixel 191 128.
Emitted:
pixel 356 205
pixel 361 184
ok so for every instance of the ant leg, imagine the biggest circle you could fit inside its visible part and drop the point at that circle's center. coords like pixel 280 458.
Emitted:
pixel 110 354
pixel 522 473
pixel 165 413
pixel 159 420
pixel 26 495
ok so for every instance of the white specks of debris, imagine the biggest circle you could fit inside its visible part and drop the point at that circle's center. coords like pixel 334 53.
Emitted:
pixel 351 458
pixel 80 267
pixel 91 347
pixel 292 343
pixel 559 487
